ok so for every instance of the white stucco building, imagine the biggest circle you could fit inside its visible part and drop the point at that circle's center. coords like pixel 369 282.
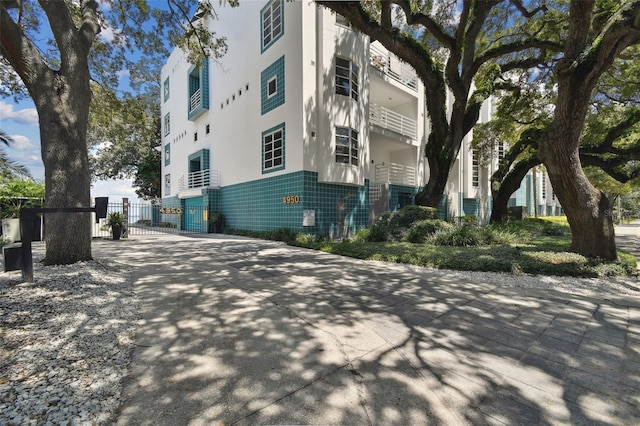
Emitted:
pixel 303 124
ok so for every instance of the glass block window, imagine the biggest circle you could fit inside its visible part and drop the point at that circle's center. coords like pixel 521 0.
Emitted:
pixel 346 78
pixel 166 89
pixel 500 152
pixel 167 154
pixel 346 146
pixel 272 86
pixel 167 124
pixel 544 186
pixel 271 23
pixel 273 141
pixel 475 168
pixel 167 184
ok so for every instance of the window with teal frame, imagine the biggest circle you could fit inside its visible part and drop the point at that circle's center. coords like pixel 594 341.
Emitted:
pixel 273 154
pixel 198 84
pixel 272 86
pixel 271 23
pixel 166 89
pixel 167 154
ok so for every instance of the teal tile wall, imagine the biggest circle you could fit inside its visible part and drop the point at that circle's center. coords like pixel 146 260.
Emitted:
pixel 259 206
pixel 204 155
pixel 274 70
pixel 471 207
pixel 394 192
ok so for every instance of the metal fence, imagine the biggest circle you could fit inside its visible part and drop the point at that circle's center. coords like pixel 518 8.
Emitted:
pixel 153 219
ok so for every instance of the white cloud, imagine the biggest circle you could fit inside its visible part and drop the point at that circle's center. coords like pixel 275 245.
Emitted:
pixel 22 143
pixel 28 116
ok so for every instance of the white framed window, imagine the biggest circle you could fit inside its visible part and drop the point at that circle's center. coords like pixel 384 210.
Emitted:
pixel 272 23
pixel 347 78
pixel 346 146
pixel 167 184
pixel 167 124
pixel 272 87
pixel 167 154
pixel 273 149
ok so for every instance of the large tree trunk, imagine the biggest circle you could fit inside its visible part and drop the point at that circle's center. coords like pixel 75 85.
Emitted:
pixel 62 101
pixel 503 186
pixel 586 207
pixel 64 153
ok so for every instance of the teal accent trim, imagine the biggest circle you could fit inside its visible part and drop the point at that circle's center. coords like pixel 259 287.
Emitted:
pixel 264 46
pixel 198 79
pixel 272 153
pixel 166 89
pixel 167 154
pixel 275 70
pixel 443 207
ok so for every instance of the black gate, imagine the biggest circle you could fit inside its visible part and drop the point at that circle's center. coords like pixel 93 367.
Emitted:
pixel 153 219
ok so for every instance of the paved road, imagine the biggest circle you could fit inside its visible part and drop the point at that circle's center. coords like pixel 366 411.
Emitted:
pixel 240 331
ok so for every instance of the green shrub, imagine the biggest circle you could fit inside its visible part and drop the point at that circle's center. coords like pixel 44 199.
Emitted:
pixel 378 233
pixel 459 236
pixel 303 238
pixel 421 230
pixel 404 217
pixel 382 219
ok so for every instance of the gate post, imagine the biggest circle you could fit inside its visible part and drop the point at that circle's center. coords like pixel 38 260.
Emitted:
pixel 125 211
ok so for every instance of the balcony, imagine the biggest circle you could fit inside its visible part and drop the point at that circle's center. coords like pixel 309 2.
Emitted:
pixel 200 179
pixel 391 120
pixel 196 100
pixel 391 66
pixel 397 174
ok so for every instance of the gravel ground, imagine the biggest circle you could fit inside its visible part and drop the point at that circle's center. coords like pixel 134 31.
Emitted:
pixel 66 340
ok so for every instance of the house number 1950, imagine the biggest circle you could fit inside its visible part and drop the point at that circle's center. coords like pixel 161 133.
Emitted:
pixel 291 199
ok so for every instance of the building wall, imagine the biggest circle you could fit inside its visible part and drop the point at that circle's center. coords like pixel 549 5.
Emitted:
pixel 306 109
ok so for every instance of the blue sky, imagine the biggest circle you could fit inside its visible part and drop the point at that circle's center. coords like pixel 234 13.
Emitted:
pixel 20 121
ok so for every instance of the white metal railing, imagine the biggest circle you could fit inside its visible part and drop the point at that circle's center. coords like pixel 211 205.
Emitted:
pixel 199 179
pixel 397 174
pixel 375 192
pixel 196 99
pixel 387 119
pixel 391 65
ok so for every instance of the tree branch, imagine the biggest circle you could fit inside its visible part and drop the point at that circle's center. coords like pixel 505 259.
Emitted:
pixel 22 54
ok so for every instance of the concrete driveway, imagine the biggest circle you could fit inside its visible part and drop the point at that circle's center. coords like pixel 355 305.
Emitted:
pixel 242 331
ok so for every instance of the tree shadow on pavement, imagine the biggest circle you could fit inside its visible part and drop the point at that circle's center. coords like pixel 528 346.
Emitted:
pixel 254 332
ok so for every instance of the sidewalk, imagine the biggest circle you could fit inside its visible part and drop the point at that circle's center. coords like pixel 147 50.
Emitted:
pixel 241 331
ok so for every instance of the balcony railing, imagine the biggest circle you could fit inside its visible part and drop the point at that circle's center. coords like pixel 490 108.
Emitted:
pixel 196 100
pixel 392 66
pixel 200 179
pixel 387 119
pixel 397 174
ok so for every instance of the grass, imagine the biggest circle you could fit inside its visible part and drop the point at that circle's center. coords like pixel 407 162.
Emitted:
pixel 532 246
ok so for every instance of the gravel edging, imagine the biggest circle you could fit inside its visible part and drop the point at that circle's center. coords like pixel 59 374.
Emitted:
pixel 65 342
